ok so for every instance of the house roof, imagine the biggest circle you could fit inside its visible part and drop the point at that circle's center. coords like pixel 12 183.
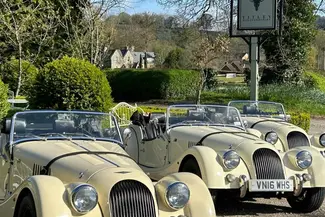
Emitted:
pixel 228 68
pixel 111 52
pixel 237 65
pixel 124 51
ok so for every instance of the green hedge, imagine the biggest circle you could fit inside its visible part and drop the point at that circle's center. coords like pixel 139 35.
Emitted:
pixel 141 85
pixel 301 120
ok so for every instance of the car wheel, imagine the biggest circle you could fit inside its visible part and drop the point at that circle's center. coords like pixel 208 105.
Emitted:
pixel 27 207
pixel 310 200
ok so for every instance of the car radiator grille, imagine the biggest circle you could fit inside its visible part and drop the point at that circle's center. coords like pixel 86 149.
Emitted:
pixel 297 139
pixel 130 198
pixel 268 165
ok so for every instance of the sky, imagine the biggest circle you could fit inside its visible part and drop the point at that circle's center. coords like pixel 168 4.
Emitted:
pixel 140 6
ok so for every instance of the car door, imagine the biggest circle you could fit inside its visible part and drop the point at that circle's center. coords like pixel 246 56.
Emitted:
pixel 4 165
pixel 153 153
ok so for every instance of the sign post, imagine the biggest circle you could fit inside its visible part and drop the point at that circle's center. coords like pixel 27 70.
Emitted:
pixel 252 20
pixel 254 68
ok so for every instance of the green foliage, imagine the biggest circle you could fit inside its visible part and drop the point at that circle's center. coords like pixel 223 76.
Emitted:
pixel 288 54
pixel 4 105
pixel 211 78
pixel 317 79
pixel 10 73
pixel 301 120
pixel 141 85
pixel 294 98
pixel 71 83
pixel 311 62
pixel 11 112
pixel 176 59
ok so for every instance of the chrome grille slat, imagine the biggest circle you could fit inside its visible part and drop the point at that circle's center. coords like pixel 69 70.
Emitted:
pixel 297 139
pixel 268 165
pixel 129 198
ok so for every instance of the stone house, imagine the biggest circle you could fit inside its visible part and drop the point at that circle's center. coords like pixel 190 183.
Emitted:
pixel 128 58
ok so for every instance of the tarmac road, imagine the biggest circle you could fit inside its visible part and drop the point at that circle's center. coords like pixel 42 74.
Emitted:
pixel 270 207
pixel 263 207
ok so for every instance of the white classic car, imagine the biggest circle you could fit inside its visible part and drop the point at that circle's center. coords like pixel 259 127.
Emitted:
pixel 272 121
pixel 212 142
pixel 71 163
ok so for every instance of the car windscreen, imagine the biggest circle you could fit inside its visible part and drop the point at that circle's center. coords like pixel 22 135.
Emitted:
pixel 203 115
pixel 259 108
pixel 64 124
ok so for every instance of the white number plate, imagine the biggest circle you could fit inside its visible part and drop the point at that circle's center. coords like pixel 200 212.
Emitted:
pixel 261 185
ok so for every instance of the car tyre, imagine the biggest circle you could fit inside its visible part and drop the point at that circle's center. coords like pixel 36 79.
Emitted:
pixel 27 207
pixel 310 200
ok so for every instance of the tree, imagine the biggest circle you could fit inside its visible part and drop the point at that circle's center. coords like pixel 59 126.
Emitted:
pixel 205 51
pixel 320 46
pixel 71 83
pixel 90 36
pixel 177 59
pixel 10 72
pixel 25 24
pixel 320 22
pixel 288 54
pixel 4 104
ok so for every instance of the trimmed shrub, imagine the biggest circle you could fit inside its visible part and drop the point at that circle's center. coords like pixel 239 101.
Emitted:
pixel 71 83
pixel 10 73
pixel 4 104
pixel 141 85
pixel 301 120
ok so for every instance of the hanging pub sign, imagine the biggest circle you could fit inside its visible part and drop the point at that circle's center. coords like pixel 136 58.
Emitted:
pixel 257 14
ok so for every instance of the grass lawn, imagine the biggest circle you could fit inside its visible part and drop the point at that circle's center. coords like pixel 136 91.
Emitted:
pixel 231 80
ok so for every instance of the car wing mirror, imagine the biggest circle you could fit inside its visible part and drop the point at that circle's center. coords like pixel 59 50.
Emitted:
pixel 288 118
pixel 126 135
pixel 6 126
pixel 245 124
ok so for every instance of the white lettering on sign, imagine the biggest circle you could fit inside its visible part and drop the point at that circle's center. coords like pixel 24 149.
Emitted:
pixel 256 14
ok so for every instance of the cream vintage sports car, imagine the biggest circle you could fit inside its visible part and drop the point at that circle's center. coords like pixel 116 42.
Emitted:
pixel 71 163
pixel 212 142
pixel 271 120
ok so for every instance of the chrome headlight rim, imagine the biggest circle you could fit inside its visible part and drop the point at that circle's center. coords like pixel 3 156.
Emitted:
pixel 227 154
pixel 74 193
pixel 300 154
pixel 172 185
pixel 320 140
pixel 274 141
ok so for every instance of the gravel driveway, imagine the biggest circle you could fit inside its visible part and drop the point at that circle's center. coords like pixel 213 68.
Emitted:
pixel 270 207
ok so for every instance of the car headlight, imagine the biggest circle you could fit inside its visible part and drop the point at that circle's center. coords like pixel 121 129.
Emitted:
pixel 231 159
pixel 322 140
pixel 177 195
pixel 271 137
pixel 84 198
pixel 304 159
